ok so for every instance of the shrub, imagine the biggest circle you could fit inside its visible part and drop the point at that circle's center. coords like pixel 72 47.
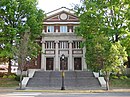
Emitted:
pixel 123 77
pixel 5 76
pixel 17 78
pixel 114 77
pixel 11 76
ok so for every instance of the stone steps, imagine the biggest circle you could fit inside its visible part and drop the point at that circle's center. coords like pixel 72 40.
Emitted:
pixel 73 79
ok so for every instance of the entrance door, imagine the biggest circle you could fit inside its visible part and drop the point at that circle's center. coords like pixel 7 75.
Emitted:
pixel 77 64
pixel 64 64
pixel 49 63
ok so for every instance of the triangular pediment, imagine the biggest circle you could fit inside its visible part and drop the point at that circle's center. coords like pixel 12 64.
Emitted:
pixel 61 15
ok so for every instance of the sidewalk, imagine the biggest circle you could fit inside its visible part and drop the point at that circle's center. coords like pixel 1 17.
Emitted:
pixel 8 90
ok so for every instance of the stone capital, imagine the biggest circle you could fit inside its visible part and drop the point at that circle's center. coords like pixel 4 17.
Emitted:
pixel 56 41
pixel 70 41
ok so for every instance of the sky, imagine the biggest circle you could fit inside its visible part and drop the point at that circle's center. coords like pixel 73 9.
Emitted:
pixel 50 5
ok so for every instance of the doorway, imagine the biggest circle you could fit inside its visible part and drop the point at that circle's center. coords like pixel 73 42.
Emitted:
pixel 49 63
pixel 77 63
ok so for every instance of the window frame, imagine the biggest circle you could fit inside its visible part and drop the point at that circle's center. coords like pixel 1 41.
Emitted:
pixel 51 28
pixel 63 29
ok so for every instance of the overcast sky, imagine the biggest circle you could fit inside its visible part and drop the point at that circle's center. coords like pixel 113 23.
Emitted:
pixel 50 5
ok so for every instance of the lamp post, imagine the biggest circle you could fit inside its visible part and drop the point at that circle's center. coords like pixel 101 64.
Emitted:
pixel 63 74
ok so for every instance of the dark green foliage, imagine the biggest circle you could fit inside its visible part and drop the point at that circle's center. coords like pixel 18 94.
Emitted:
pixel 17 78
pixel 19 18
pixel 103 25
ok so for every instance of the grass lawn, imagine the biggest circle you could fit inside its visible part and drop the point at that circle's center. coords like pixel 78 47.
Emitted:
pixel 6 82
pixel 119 83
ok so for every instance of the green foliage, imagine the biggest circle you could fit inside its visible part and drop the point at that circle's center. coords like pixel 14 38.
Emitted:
pixel 123 77
pixel 11 76
pixel 114 77
pixel 5 76
pixel 103 25
pixel 19 18
pixel 17 78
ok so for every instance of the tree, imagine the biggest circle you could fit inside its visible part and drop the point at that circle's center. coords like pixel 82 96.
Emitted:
pixel 114 57
pixel 22 54
pixel 105 56
pixel 17 18
pixel 103 24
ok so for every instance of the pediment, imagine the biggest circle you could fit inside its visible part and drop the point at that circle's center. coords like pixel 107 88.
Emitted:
pixel 62 16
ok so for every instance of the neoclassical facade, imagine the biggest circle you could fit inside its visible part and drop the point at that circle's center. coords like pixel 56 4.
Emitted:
pixel 59 38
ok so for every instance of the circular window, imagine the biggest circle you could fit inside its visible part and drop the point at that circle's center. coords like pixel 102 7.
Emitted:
pixel 63 16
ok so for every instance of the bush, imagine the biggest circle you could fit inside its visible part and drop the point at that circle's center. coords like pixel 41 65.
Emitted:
pixel 11 76
pixel 123 77
pixel 114 77
pixel 5 76
pixel 17 78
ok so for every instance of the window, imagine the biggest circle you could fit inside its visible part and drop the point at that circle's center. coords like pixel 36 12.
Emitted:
pixel 63 28
pixel 50 45
pixel 77 44
pixel 63 44
pixel 50 28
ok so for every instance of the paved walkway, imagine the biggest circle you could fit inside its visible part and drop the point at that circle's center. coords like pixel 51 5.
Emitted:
pixel 46 94
pixel 14 89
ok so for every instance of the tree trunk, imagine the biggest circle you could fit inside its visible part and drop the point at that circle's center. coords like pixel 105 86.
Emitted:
pixel 128 61
pixel 21 73
pixel 107 80
pixel 21 76
pixel 116 37
pixel 9 66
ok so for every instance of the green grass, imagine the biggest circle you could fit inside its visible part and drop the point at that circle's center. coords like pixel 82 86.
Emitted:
pixel 119 83
pixel 7 82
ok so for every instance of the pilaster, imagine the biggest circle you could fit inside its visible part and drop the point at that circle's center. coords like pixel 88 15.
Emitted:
pixel 43 64
pixel 70 65
pixel 84 65
pixel 57 67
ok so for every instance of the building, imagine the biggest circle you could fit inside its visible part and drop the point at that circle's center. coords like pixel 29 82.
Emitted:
pixel 59 38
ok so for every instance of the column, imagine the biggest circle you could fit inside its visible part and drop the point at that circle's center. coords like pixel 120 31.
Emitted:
pixel 71 67
pixel 84 65
pixel 43 63
pixel 57 67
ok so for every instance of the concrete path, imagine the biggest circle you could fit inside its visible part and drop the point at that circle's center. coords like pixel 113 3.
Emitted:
pixel 42 94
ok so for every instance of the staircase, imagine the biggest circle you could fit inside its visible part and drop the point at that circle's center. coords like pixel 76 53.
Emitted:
pixel 73 80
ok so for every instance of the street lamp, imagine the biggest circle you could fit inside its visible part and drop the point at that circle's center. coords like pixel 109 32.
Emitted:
pixel 62 74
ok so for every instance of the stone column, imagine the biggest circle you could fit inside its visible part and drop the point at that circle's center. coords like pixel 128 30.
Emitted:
pixel 84 65
pixel 57 67
pixel 43 64
pixel 71 67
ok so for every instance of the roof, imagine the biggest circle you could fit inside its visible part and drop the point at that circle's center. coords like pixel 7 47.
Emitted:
pixel 59 10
